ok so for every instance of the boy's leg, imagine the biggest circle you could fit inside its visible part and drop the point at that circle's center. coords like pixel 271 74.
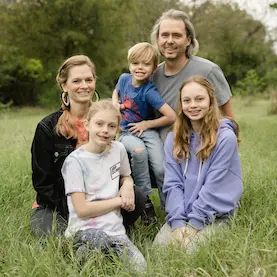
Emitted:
pixel 129 218
pixel 125 248
pixel 47 222
pixel 155 150
pixel 139 161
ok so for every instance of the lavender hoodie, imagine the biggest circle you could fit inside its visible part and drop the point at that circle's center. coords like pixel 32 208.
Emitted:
pixel 197 193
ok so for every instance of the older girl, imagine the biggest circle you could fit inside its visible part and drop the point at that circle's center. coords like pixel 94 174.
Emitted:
pixel 203 182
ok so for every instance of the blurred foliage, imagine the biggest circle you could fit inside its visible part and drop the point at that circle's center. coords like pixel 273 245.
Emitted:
pixel 37 35
pixel 251 84
pixel 273 103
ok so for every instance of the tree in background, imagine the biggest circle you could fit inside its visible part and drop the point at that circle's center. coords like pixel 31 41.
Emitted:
pixel 52 30
pixel 234 40
pixel 37 35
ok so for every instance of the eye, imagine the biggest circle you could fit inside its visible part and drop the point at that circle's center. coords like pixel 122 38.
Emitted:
pixel 185 100
pixel 99 123
pixel 89 80
pixel 76 81
pixel 200 99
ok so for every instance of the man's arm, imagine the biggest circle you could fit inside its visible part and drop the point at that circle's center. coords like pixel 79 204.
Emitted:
pixel 226 109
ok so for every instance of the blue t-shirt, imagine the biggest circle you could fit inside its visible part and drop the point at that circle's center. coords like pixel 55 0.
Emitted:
pixel 140 102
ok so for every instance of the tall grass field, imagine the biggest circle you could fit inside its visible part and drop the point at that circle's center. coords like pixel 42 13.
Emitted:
pixel 247 248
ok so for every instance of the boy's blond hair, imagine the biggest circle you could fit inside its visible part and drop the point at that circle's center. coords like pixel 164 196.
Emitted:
pixel 143 51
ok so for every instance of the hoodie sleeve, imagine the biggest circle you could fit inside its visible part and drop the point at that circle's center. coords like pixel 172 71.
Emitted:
pixel 173 187
pixel 222 187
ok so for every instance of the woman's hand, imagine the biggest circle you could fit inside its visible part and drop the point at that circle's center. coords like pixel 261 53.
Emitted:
pixel 127 195
pixel 139 127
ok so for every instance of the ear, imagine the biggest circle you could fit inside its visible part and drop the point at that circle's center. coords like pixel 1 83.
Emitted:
pixel 86 125
pixel 63 87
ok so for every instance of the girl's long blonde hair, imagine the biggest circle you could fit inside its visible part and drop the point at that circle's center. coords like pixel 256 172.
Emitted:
pixel 66 125
pixel 208 131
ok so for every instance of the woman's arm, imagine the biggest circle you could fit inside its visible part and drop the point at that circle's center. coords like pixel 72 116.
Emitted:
pixel 43 172
pixel 222 189
pixel 173 187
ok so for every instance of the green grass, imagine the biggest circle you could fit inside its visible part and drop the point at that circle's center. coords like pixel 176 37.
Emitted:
pixel 247 248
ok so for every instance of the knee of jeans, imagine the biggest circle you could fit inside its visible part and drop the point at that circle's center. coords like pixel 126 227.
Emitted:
pixel 158 172
pixel 140 153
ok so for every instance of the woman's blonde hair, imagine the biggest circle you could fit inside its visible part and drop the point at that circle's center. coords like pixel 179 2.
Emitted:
pixel 208 131
pixel 193 47
pixel 143 51
pixel 66 124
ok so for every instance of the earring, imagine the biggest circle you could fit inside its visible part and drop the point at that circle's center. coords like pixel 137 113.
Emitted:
pixel 65 99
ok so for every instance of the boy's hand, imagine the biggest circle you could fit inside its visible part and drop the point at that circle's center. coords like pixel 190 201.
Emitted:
pixel 139 127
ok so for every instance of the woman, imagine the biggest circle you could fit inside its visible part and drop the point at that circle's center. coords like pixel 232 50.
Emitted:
pixel 203 182
pixel 56 136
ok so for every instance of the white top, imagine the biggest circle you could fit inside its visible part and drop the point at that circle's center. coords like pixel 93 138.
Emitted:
pixel 97 175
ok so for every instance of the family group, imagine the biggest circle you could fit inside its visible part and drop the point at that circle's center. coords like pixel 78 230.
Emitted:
pixel 168 125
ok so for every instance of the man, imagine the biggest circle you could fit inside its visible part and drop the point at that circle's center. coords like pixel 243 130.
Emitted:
pixel 174 36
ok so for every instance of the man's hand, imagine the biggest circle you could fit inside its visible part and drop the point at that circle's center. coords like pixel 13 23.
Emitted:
pixel 139 127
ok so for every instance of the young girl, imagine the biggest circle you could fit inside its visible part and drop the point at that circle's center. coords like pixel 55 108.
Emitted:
pixel 92 175
pixel 203 182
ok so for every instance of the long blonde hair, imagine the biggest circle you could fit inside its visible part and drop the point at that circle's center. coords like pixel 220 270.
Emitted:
pixel 66 124
pixel 208 131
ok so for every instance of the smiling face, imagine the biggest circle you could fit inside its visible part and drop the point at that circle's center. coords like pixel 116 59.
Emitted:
pixel 141 71
pixel 172 39
pixel 195 102
pixel 102 129
pixel 80 84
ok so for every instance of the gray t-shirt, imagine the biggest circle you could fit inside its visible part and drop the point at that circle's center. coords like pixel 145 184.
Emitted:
pixel 168 86
pixel 96 175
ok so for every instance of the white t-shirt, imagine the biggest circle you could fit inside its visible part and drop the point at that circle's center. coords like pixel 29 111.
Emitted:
pixel 97 175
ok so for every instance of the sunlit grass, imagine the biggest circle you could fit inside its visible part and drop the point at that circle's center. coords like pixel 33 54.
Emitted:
pixel 247 248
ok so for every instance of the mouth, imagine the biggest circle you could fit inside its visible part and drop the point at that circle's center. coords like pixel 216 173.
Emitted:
pixel 84 92
pixel 194 113
pixel 140 73
pixel 103 138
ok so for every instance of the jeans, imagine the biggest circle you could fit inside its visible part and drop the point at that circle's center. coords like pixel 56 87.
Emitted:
pixel 146 152
pixel 90 239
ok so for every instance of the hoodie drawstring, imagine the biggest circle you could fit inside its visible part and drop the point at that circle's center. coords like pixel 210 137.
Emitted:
pixel 199 170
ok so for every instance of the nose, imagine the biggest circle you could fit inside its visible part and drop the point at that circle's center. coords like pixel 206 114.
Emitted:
pixel 170 39
pixel 84 83
pixel 105 129
pixel 193 104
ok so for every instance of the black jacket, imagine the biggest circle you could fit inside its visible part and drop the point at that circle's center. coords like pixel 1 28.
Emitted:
pixel 49 151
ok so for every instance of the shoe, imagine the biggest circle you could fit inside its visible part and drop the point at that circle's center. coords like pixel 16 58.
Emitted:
pixel 148 216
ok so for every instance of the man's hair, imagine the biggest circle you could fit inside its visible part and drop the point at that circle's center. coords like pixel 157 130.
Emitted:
pixel 143 51
pixel 193 48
